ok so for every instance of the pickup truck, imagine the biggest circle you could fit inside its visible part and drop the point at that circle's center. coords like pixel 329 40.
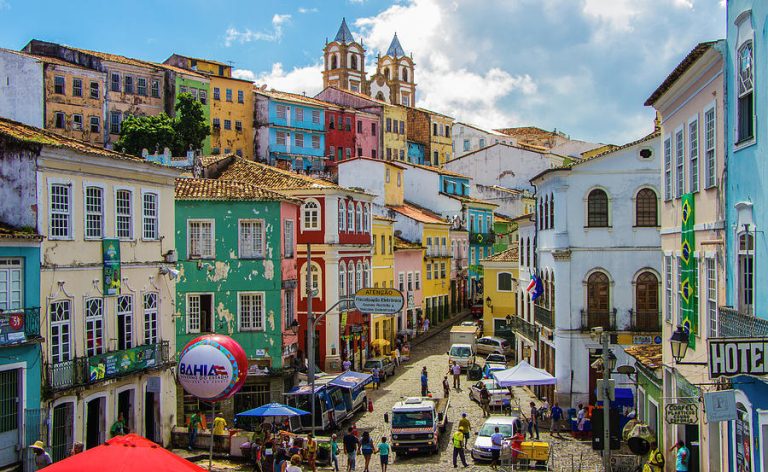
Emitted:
pixel 418 423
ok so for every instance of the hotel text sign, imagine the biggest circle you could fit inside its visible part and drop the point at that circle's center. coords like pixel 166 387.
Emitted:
pixel 729 357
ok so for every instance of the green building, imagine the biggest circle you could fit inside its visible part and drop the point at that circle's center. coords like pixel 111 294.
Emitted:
pixel 236 248
pixel 180 80
pixel 505 233
pixel 650 395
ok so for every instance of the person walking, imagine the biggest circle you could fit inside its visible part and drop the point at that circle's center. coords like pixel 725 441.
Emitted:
pixel 459 443
pixel 556 415
pixel 485 400
pixel 446 387
pixel 351 446
pixel 366 447
pixel 533 421
pixel 376 377
pixel 118 427
pixel 424 382
pixel 194 422
pixel 496 441
pixel 42 458
pixel 334 453
pixel 383 451
pixel 219 425
pixel 655 461
pixel 456 371
pixel 312 452
pixel 581 419
pixel 467 427
pixel 397 355
pixel 346 365
pixel 426 324
pixel 681 457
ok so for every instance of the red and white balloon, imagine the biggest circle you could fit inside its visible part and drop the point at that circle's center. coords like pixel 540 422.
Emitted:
pixel 212 367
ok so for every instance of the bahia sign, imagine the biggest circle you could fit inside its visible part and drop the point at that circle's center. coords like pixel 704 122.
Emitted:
pixel 212 367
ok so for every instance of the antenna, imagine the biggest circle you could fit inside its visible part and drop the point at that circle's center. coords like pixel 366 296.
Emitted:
pixel 231 63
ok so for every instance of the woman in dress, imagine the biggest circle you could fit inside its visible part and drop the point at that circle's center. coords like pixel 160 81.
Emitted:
pixel 366 446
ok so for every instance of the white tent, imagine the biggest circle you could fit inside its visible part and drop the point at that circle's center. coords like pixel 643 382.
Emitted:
pixel 523 374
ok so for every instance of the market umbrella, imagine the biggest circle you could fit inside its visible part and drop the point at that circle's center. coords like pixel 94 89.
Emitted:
pixel 523 374
pixel 129 453
pixel 272 410
pixel 380 341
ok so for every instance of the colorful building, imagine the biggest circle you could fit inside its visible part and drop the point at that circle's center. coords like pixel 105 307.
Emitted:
pixel 502 281
pixel 344 62
pixel 233 240
pixel 459 267
pixel 432 131
pixel 504 233
pixel 469 138
pixel 368 134
pixel 385 327
pixel 650 390
pixel 340 130
pixel 394 145
pixel 179 81
pixel 409 258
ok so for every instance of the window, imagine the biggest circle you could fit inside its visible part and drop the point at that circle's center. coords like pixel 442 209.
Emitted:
pixel 383 244
pixel 59 85
pixel 288 239
pixel 316 116
pixel 389 125
pixel 128 82
pixel 435 269
pixel 429 271
pixel 77 87
pixel 746 272
pixel 95 126
pixel 238 125
pixel 359 152
pixel 299 137
pixel 201 235
pixel 745 105
pixel 365 219
pixel 216 93
pixel 466 145
pixel 667 169
pixel 95 90
pixel 11 293
pixel 442 270
pixel 410 282
pixel 77 122
pixel 60 120
pixel 199 309
pixel 417 280
pixel 94 213
pixel 311 215
pixel 434 129
pixel 229 95
pixel 373 154
pixel 693 153
pixel 679 166
pixel 342 215
pixel 482 142
pixel 227 124
pixel 155 91
pixel 115 82
pixel 399 179
pixel 351 278
pixel 646 208
pixel 241 97
pixel 710 176
pixel 391 245
pixel 251 239
pixel 141 86
pixel 401 281
pixel 150 318
pixel 597 209
pixel 710 268
pixel 217 123
pixel 331 119
pixel 647 302
pixel 124 322
pixel 359 219
pixel 250 312
pixel 551 214
pixel 504 282
pixel 360 127
pixel 350 216
pixel 281 138
pixel 61 341
pixel 402 155
pixel 598 313
pixel 123 214
pixel 315 141
pixel 94 326
pixel 402 131
pixel 60 218
pixel 290 308
pixel 114 122
pixel 342 280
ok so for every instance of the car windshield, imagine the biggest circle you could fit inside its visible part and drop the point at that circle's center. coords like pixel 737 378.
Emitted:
pixel 496 358
pixel 460 351
pixel 371 364
pixel 489 428
pixel 412 419
pixel 491 384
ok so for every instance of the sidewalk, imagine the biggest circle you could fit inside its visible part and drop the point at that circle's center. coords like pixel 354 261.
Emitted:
pixel 434 330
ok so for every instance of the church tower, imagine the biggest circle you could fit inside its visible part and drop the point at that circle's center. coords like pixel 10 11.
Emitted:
pixel 344 62
pixel 394 81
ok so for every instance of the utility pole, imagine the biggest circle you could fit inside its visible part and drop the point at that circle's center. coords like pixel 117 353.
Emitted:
pixel 606 403
pixel 310 336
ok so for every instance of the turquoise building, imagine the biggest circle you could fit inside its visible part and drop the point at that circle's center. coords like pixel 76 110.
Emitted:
pixel 20 355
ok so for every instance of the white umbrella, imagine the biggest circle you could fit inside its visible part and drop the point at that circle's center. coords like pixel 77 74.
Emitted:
pixel 523 374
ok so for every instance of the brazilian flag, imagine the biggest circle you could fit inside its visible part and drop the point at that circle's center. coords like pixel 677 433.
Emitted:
pixel 688 271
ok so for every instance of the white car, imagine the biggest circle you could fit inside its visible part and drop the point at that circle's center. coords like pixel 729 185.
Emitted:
pixel 508 426
pixel 498 394
pixel 496 359
pixel 493 344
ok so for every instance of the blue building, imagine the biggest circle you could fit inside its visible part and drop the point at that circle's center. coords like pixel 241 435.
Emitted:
pixel 290 130
pixel 20 356
pixel 415 153
pixel 746 221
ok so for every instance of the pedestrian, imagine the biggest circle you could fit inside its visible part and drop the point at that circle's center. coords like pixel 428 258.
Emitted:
pixel 557 416
pixel 42 459
pixel 383 451
pixel 459 443
pixel 118 427
pixel 456 371
pixel 424 382
pixel 581 418
pixel 376 377
pixel 351 446
pixel 426 324
pixel 446 387
pixel 366 447
pixel 533 421
pixel 496 440
pixel 77 448
pixel 281 460
pixel 295 464
pixel 655 458
pixel 485 400
pixel 311 452
pixel 682 456
pixel 194 422
pixel 219 438
pixel 419 325
pixel 464 423
pixel 268 456
pixel 334 453
pixel 346 365
pixel 397 355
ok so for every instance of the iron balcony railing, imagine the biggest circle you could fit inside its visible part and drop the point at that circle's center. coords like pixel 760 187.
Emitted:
pixel 110 365
pixel 438 252
pixel 543 316
pixel 645 321
pixel 732 323
pixel 524 328
pixel 482 239
pixel 595 319
pixel 19 326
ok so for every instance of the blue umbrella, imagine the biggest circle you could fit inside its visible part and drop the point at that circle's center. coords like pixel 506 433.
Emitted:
pixel 273 409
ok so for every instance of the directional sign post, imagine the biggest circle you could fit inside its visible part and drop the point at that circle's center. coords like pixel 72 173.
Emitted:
pixel 384 301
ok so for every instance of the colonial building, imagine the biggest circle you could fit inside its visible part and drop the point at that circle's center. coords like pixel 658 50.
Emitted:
pixel 429 133
pixel 408 260
pixel 198 85
pixel 385 327
pixel 21 82
pixel 468 138
pixel 502 282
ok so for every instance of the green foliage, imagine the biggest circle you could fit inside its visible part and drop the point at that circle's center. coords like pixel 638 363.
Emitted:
pixel 191 126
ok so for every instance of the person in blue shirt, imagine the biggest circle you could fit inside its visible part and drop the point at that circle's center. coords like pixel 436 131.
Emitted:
pixel 376 378
pixel 496 440
pixel 383 451
pixel 424 382
pixel 682 456
pixel 557 417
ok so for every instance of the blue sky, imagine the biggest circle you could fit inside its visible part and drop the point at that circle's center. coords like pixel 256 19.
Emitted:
pixel 582 66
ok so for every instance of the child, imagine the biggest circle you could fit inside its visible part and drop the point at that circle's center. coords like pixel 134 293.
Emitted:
pixel 383 451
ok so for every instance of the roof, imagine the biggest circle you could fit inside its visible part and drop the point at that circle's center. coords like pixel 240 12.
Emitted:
pixel 438 170
pixel 649 355
pixel 344 35
pixel 526 216
pixel 395 49
pixel 180 70
pixel 359 95
pixel 209 189
pixel 510 255
pixel 532 135
pixel 430 112
pixel 498 217
pixel 417 213
pixel 10 232
pixel 522 146
pixel 403 244
pixel 381 218
pixel 116 58
pixel 213 159
pixel 45 59
pixel 31 135
pixel 210 61
pixel 489 131
pixel 363 158
pixel 465 199
pixel 295 97
pixel 273 178
pixel 678 71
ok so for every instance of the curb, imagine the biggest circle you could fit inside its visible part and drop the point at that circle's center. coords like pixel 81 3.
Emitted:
pixel 439 328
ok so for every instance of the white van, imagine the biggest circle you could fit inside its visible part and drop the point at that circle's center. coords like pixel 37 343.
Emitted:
pixel 463 354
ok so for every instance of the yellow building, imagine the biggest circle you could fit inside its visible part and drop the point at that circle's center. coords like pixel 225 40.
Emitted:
pixel 501 283
pixel 231 106
pixel 440 140
pixel 395 144
pixel 383 326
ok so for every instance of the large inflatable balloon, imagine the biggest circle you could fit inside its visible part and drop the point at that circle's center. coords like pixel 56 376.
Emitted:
pixel 212 367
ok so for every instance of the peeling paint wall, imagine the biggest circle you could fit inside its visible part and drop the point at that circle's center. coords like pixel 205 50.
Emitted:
pixel 18 186
pixel 72 102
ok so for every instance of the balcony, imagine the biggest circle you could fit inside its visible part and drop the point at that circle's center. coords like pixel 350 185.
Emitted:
pixel 645 321
pixel 482 239
pixel 543 316
pixel 88 370
pixel 732 323
pixel 19 326
pixel 437 252
pixel 524 328
pixel 594 319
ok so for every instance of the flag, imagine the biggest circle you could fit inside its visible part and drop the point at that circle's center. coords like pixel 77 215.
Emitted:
pixel 688 270
pixel 535 288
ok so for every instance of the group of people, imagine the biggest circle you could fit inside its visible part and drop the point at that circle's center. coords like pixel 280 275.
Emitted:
pixel 354 445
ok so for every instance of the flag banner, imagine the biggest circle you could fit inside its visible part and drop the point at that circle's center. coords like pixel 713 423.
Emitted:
pixel 689 303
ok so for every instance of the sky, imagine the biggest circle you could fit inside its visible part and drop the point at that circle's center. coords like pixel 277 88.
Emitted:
pixel 583 67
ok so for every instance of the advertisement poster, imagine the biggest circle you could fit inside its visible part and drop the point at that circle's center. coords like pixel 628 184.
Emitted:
pixel 121 362
pixel 111 254
pixel 12 328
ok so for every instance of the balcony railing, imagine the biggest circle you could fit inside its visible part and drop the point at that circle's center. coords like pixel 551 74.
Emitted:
pixel 645 321
pixel 19 326
pixel 604 319
pixel 543 316
pixel 438 252
pixel 110 365
pixel 482 239
pixel 524 328
pixel 732 323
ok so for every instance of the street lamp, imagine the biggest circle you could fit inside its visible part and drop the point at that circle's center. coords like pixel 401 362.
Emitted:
pixel 611 361
pixel 679 345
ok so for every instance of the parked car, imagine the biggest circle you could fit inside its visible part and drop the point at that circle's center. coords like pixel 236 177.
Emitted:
pixel 496 359
pixel 493 344
pixel 385 365
pixel 508 426
pixel 498 393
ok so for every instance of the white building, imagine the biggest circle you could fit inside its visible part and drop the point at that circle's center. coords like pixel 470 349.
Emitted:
pixel 21 88
pixel 598 251
pixel 468 138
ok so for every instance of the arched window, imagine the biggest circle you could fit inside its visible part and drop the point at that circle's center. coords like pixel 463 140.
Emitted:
pixel 359 222
pixel 597 209
pixel 504 282
pixel 342 280
pixel 647 302
pixel 351 216
pixel 351 278
pixel 353 61
pixel 359 279
pixel 310 215
pixel 551 211
pixel 334 62
pixel 521 250
pixel 646 208
pixel 405 74
pixel 366 222
pixel 342 215
pixel 314 277
pixel 598 300
pixel 528 252
pixel 541 213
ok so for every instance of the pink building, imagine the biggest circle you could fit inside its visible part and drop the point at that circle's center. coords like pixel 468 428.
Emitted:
pixel 367 135
pixel 459 263
pixel 408 259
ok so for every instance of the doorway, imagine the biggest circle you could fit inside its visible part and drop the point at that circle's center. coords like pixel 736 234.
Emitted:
pixel 94 422
pixel 206 313
pixel 125 402
pixel 63 430
pixel 692 441
pixel 152 410
pixel 10 415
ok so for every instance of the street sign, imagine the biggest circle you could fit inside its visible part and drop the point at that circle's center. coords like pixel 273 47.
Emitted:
pixel 681 413
pixel 736 356
pixel 720 406
pixel 601 390
pixel 383 301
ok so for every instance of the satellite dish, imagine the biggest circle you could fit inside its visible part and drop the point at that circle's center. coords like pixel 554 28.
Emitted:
pixel 626 369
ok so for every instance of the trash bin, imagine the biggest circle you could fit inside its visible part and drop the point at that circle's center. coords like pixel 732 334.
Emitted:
pixel 474 372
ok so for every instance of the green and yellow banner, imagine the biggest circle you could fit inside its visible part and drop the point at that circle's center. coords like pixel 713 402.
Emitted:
pixel 689 271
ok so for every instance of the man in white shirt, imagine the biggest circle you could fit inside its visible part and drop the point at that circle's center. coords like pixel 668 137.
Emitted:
pixel 456 371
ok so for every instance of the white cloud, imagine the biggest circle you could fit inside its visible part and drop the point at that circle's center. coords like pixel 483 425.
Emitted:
pixel 304 10
pixel 306 79
pixel 613 14
pixel 233 35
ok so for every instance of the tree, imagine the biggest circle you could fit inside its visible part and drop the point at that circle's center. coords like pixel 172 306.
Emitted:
pixel 146 132
pixel 191 125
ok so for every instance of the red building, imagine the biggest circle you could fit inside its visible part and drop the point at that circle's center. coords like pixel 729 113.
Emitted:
pixel 340 129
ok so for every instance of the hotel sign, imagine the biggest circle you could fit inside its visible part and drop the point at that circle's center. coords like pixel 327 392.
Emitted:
pixel 729 357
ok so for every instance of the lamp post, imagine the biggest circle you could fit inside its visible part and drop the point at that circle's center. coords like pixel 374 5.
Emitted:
pixel 679 345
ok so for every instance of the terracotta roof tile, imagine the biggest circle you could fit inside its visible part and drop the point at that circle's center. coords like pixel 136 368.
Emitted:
pixel 214 158
pixel 510 255
pixel 532 135
pixel 116 58
pixel 180 70
pixel 419 214
pixel 209 189
pixel 401 244
pixel 295 97
pixel 465 199
pixel 649 355
pixel 46 59
pixel 9 232
pixel 678 71
pixel 273 178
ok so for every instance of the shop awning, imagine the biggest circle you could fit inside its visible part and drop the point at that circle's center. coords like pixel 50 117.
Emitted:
pixel 303 390
pixel 351 379
pixel 523 374
pixel 624 397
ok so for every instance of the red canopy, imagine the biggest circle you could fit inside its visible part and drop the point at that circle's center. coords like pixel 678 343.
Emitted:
pixel 129 453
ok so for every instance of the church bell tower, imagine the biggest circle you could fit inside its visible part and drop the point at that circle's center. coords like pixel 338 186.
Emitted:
pixel 344 62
